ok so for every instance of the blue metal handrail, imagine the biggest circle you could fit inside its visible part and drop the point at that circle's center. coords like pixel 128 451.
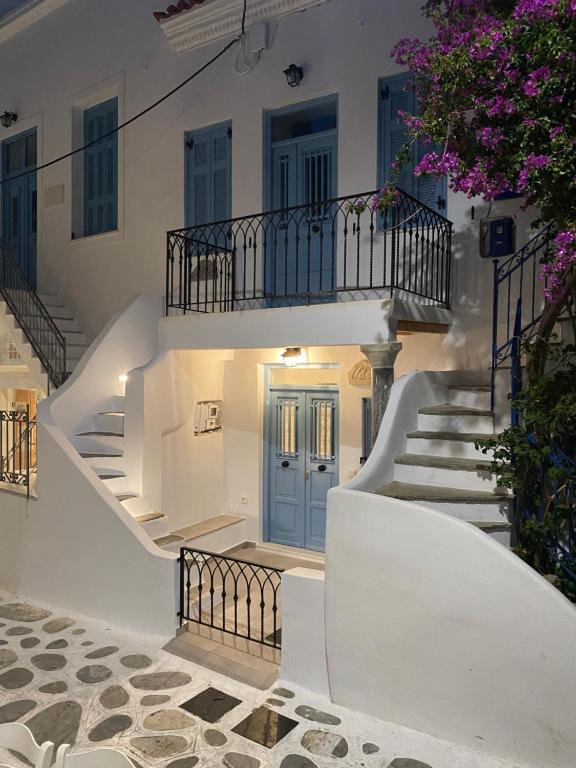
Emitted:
pixel 515 281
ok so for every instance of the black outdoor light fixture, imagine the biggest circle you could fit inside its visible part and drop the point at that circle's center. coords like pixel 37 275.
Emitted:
pixel 8 118
pixel 294 75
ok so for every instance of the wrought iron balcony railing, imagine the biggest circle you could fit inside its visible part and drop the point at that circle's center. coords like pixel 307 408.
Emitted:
pixel 33 318
pixel 333 250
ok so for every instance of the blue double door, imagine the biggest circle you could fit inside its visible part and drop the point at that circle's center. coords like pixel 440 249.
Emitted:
pixel 20 201
pixel 303 461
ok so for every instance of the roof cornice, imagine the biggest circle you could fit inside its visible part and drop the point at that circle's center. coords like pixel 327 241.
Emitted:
pixel 215 19
pixel 23 18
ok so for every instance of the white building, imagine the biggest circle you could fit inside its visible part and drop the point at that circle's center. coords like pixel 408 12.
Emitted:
pixel 183 423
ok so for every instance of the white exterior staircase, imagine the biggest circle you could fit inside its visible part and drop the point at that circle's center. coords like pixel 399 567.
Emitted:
pixel 69 326
pixel 442 468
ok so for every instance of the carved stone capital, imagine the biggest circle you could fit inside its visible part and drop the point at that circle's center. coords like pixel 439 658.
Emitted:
pixel 382 355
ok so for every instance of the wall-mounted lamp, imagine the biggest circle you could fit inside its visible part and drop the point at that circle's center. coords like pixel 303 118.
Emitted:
pixel 123 378
pixel 294 75
pixel 293 356
pixel 8 118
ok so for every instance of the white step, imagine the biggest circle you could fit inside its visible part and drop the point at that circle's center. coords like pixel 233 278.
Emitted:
pixel 500 533
pixel 91 442
pixel 114 404
pixel 103 459
pixel 456 445
pixel 441 471
pixel 108 422
pixel 66 324
pixel 154 523
pixel 471 396
pixel 455 418
pixel 112 477
pixel 74 352
pixel 75 338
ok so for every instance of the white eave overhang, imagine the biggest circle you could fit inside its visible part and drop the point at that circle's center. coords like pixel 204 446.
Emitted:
pixel 24 17
pixel 215 19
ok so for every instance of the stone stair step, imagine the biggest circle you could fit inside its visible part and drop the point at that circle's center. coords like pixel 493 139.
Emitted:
pixel 99 433
pixel 466 437
pixel 444 462
pixel 431 493
pixel 448 409
pixel 149 517
pixel 197 530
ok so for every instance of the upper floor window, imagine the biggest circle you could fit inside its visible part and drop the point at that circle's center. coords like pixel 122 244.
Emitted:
pixel 101 168
pixel 397 94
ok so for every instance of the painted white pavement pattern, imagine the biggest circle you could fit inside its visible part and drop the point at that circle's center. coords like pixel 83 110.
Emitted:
pixel 74 680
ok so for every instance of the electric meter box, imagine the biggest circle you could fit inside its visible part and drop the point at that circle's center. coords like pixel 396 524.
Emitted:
pixel 498 237
pixel 207 416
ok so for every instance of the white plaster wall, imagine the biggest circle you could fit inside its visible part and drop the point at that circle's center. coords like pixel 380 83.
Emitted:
pixel 454 635
pixel 344 48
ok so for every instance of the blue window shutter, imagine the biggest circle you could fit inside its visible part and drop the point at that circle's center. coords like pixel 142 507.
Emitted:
pixel 396 94
pixel 101 169
pixel 209 168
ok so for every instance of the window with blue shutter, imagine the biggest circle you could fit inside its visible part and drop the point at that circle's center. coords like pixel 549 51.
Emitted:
pixel 101 169
pixel 209 175
pixel 397 94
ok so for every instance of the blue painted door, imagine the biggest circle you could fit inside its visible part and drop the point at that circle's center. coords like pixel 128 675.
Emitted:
pixel 301 254
pixel 303 465
pixel 20 201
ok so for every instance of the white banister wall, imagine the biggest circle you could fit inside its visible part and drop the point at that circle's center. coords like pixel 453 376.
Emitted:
pixel 303 630
pixel 83 551
pixel 454 635
pixel 128 341
pixel 78 547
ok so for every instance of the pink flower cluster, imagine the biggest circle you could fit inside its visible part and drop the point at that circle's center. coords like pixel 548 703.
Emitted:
pixel 554 272
pixel 532 163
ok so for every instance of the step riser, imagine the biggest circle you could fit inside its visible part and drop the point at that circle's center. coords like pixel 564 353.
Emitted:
pixel 480 400
pixel 455 423
pixel 479 513
pixel 116 484
pixel 136 506
pixel 67 325
pixel 106 443
pixel 156 528
pixel 502 537
pixel 454 449
pixel 74 338
pixel 107 462
pixel 109 422
pixel 452 478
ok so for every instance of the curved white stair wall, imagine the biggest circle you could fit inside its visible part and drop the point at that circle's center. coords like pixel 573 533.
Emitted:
pixel 84 550
pixel 454 635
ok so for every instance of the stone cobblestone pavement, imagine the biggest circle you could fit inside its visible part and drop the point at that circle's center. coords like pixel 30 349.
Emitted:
pixel 74 680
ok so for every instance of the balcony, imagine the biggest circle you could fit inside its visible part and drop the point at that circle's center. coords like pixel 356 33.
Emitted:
pixel 322 252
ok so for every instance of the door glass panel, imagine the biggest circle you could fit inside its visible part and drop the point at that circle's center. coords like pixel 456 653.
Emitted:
pixel 15 156
pixel 305 121
pixel 323 430
pixel 15 216
pixel 33 212
pixel 287 428
pixel 30 150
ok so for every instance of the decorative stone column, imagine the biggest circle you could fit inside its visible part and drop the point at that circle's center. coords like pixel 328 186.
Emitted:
pixel 381 358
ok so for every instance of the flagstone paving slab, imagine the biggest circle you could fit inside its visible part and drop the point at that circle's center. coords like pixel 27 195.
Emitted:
pixel 109 703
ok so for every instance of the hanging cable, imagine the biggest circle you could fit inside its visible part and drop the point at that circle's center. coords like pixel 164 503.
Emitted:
pixel 133 119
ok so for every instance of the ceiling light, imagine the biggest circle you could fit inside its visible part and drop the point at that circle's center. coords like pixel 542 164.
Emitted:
pixel 293 356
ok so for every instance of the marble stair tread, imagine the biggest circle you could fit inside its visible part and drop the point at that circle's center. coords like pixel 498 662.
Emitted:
pixel 490 526
pixel 149 517
pixel 194 531
pixel 465 437
pixel 444 462
pixel 101 455
pixel 99 433
pixel 126 495
pixel 110 413
pixel 471 387
pixel 437 493
pixel 109 474
pixel 448 409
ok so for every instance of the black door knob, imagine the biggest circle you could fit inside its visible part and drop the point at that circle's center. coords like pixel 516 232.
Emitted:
pixel 322 468
pixel 285 464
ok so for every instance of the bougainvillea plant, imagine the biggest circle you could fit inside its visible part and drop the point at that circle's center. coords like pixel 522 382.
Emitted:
pixel 496 87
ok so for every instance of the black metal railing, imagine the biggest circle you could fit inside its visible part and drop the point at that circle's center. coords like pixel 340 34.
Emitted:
pixel 17 448
pixel 518 298
pixel 33 318
pixel 235 596
pixel 325 251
